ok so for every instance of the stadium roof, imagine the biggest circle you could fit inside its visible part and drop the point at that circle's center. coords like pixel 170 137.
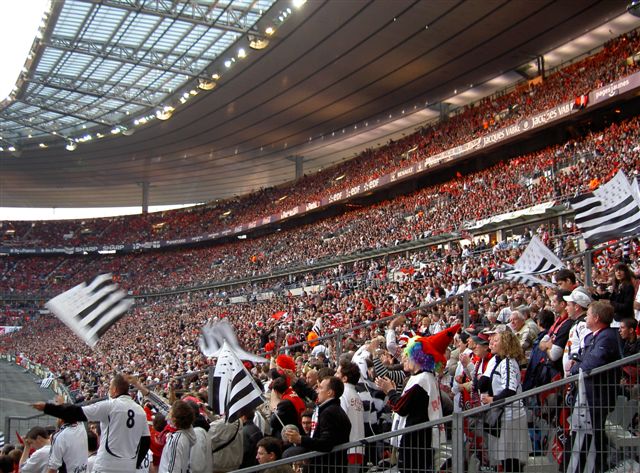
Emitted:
pixel 335 76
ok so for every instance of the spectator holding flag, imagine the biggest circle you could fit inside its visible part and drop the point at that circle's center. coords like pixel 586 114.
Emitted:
pixel 125 434
pixel 600 348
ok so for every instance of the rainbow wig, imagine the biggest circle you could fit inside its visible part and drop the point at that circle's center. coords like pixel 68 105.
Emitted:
pixel 415 352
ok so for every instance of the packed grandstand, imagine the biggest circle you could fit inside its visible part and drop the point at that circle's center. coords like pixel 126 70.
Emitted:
pixel 427 251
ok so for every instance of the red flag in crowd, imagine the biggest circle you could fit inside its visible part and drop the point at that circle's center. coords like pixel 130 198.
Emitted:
pixel 281 314
pixel 368 306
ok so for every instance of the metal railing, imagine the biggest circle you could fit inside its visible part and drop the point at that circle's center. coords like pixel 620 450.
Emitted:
pixel 539 431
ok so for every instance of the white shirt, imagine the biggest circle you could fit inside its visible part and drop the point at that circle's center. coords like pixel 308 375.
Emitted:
pixel 352 405
pixel 177 451
pixel 69 447
pixel 577 334
pixel 123 423
pixel 507 376
pixel 37 462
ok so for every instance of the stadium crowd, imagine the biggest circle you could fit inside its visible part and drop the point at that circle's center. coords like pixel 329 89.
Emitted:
pixel 491 113
pixel 532 334
pixel 521 182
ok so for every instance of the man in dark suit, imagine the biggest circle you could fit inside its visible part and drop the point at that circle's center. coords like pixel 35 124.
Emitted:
pixel 331 428
pixel 601 347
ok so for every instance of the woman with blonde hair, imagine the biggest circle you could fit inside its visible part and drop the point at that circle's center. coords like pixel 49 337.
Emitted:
pixel 510 446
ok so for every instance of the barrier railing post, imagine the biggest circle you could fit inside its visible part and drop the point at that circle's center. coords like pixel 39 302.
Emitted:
pixel 457 443
pixel 338 345
pixel 588 267
pixel 465 309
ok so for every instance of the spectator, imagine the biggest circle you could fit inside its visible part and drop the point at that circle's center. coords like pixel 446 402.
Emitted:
pixel 252 435
pixel 126 440
pixel 578 302
pixel 419 401
pixel 511 446
pixel 630 341
pixel 36 440
pixel 332 428
pixel 349 373
pixel 69 446
pixel 600 348
pixel 177 451
pixel 269 450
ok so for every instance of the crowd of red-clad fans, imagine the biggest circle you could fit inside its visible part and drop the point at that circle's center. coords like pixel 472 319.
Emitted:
pixel 517 183
pixel 466 124
pixel 358 304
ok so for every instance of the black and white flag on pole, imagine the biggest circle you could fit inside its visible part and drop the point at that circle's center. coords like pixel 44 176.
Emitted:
pixel 536 259
pixel 215 334
pixel 583 449
pixel 233 386
pixel 611 211
pixel 89 309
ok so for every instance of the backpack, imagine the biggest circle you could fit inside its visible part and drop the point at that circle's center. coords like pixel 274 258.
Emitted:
pixel 226 445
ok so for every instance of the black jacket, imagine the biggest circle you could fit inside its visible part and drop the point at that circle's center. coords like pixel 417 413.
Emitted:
pixel 332 428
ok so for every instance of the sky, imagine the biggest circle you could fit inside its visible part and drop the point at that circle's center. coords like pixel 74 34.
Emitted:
pixel 20 22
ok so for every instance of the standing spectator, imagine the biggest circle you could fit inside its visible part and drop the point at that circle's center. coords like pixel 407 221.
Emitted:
pixel 37 439
pixel 69 447
pixel 622 294
pixel 252 435
pixel 630 341
pixel 600 348
pixel 177 451
pixel 125 440
pixel 332 428
pixel 419 401
pixel 578 301
pixel 349 373
pixel 511 447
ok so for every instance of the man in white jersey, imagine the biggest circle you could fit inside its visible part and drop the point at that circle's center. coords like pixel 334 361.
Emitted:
pixel 577 303
pixel 38 440
pixel 125 439
pixel 69 451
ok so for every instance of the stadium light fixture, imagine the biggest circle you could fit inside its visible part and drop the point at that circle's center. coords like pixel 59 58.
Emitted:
pixel 165 113
pixel 71 145
pixel 269 31
pixel 206 84
pixel 258 43
pixel 298 3
pixel 242 53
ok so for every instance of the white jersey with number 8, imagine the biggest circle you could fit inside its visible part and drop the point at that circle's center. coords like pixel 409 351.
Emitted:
pixel 123 423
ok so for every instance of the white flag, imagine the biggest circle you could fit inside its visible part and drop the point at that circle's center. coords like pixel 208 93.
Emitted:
pixel 536 259
pixel 215 334
pixel 233 387
pixel 90 309
pixel 611 211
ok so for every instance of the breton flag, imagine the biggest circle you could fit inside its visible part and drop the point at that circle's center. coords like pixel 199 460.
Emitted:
pixel 317 327
pixel 583 450
pixel 90 309
pixel 536 259
pixel 215 334
pixel 610 211
pixel 46 382
pixel 233 386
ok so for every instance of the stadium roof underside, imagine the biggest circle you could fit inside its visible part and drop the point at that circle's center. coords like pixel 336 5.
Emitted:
pixel 333 77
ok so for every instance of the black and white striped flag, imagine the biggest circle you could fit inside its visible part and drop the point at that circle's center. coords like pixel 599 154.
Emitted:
pixel 611 211
pixel 317 327
pixel 215 334
pixel 46 382
pixel 536 259
pixel 90 309
pixel 233 386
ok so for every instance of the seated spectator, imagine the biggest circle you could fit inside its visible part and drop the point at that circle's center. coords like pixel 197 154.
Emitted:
pixel 36 440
